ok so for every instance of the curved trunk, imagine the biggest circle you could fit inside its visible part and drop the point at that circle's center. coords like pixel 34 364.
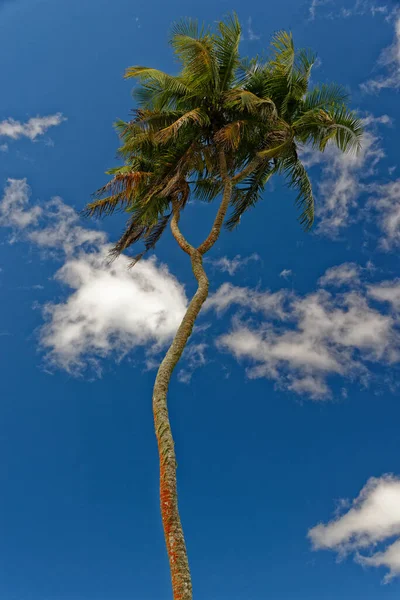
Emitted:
pixel 179 565
pixel 173 531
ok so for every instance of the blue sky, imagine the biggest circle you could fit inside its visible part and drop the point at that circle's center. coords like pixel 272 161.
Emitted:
pixel 285 409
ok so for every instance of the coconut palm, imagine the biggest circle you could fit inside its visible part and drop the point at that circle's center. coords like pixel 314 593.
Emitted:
pixel 219 130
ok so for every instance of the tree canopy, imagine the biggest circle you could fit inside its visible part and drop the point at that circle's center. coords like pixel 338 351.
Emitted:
pixel 258 112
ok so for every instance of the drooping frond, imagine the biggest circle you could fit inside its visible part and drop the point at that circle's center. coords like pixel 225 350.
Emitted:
pixel 207 189
pixel 106 206
pixel 250 192
pixel 245 100
pixel 297 178
pixel 191 118
pixel 347 128
pixel 337 124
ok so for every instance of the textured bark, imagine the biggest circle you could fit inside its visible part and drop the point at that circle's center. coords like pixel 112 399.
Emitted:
pixel 174 538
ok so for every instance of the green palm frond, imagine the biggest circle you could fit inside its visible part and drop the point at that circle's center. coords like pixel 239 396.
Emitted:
pixel 337 124
pixel 207 189
pixel 227 50
pixel 247 196
pixel 305 60
pixel 297 178
pixel 196 52
pixel 245 100
pixel 348 129
pixel 284 55
pixel 324 97
pixel 191 119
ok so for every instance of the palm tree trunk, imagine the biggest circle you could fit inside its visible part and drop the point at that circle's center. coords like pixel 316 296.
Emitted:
pixel 173 531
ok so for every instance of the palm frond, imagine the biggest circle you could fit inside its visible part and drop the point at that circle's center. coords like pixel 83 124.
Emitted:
pixel 284 53
pixel 247 196
pixel 297 178
pixel 247 101
pixel 193 117
pixel 324 97
pixel 196 52
pixel 227 50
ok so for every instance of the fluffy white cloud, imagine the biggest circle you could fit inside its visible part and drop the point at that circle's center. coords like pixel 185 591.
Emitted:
pixel 373 518
pixel 111 308
pixel 31 129
pixel 300 341
pixel 390 61
pixel 230 266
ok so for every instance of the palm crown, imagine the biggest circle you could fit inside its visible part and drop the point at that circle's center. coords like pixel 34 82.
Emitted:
pixel 256 113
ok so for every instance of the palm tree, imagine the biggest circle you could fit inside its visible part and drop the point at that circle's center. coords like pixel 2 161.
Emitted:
pixel 219 129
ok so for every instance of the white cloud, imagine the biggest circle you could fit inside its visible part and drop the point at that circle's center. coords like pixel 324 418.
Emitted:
pixel 15 211
pixel 385 203
pixel 3 147
pixel 358 8
pixel 314 6
pixel 343 178
pixel 387 291
pixel 111 308
pixel 373 518
pixel 195 356
pixel 390 61
pixel 266 302
pixel 301 341
pixel 251 35
pixel 345 274
pixel 286 273
pixel 33 128
pixel 61 230
pixel 232 265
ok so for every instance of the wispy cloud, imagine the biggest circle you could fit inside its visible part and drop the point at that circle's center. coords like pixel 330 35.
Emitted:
pixel 389 61
pixel 335 11
pixel 341 275
pixel 312 11
pixel 232 265
pixel 373 518
pixel 195 357
pixel 286 273
pixel 31 129
pixel 345 177
pixel 250 33
pixel 109 309
pixel 300 342
pixel 384 204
